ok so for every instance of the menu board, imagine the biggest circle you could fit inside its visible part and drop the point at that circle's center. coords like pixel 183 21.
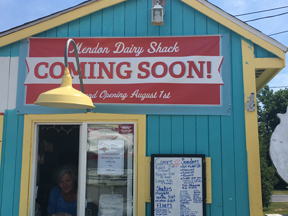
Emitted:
pixel 178 185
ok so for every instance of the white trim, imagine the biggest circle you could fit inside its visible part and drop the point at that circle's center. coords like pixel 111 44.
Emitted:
pixel 244 25
pixel 82 166
pixel 12 88
pixel 4 74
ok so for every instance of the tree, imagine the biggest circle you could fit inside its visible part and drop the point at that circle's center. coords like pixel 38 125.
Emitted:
pixel 270 103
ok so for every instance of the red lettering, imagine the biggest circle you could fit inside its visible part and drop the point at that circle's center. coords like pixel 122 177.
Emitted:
pixel 146 71
pixel 192 65
pixel 36 70
pixel 51 70
pixel 153 69
pixel 73 71
pixel 127 72
pixel 91 76
pixel 171 69
pixel 102 67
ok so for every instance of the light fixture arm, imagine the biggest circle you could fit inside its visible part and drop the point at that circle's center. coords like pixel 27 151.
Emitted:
pixel 66 96
pixel 77 60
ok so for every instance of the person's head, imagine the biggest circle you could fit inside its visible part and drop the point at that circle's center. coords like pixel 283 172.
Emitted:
pixel 67 178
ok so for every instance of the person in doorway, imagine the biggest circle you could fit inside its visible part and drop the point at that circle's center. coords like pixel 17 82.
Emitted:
pixel 63 197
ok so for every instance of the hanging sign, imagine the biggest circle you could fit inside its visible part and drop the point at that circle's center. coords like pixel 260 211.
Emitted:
pixel 178 185
pixel 150 70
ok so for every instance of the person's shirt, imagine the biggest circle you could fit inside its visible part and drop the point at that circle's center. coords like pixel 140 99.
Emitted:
pixel 58 204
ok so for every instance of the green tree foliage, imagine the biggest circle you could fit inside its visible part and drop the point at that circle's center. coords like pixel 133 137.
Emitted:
pixel 268 176
pixel 270 103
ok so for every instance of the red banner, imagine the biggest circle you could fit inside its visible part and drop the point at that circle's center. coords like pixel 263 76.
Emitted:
pixel 162 70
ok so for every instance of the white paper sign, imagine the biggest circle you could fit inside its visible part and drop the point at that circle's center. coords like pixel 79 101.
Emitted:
pixel 111 205
pixel 110 157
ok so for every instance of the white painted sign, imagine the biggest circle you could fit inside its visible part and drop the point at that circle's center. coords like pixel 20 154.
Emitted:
pixel 178 185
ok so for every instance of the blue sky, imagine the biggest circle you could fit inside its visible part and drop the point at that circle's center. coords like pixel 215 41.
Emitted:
pixel 17 12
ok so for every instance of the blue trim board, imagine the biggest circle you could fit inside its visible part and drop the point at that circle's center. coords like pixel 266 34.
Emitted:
pixel 11 163
pixel 241 182
pixel 215 152
pixel 18 169
pixel 3 155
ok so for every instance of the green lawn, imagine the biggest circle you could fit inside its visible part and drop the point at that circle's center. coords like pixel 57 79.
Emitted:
pixel 276 208
pixel 280 192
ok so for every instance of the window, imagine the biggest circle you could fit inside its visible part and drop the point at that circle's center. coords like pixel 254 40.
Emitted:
pixel 104 150
pixel 109 176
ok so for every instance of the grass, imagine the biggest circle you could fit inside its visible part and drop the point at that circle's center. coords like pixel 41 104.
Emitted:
pixel 280 192
pixel 276 208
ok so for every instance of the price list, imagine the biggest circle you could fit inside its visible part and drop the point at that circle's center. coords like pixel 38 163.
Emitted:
pixel 178 186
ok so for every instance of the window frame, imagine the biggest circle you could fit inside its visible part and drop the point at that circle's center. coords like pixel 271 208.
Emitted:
pixel 31 122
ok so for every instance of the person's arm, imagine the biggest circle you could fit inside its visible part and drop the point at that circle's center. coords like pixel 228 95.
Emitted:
pixel 52 202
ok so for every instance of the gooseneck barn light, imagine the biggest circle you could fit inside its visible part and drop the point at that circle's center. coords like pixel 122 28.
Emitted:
pixel 157 13
pixel 66 96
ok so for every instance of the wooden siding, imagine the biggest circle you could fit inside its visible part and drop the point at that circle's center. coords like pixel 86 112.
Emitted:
pixel 259 52
pixel 220 137
pixel 9 74
pixel 11 162
pixel 11 50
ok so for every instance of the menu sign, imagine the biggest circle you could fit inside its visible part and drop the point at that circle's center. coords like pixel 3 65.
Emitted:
pixel 178 185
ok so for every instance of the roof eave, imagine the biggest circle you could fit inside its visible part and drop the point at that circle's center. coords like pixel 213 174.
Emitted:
pixel 238 26
pixel 54 20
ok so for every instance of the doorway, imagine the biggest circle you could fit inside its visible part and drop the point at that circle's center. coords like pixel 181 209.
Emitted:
pixel 57 145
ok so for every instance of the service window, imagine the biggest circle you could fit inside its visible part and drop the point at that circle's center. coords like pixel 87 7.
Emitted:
pixel 109 175
pixel 104 156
